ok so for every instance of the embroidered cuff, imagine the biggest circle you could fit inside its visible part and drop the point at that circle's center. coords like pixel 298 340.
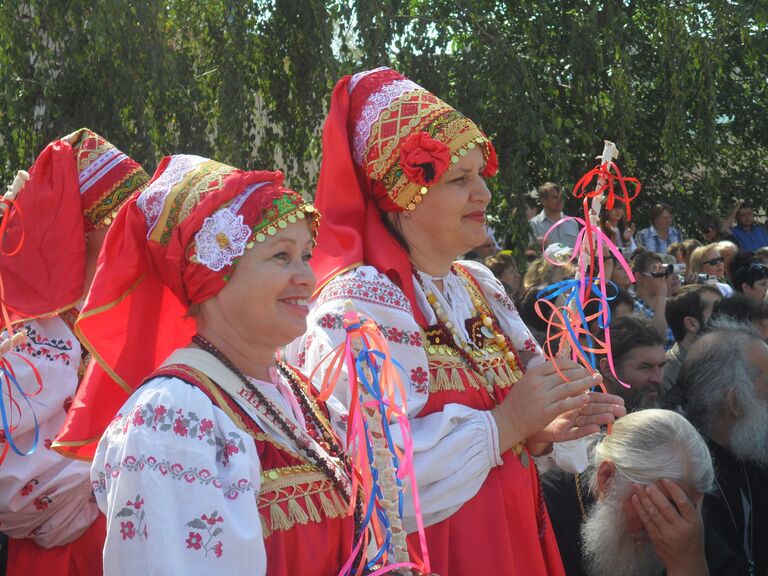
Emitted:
pixel 492 439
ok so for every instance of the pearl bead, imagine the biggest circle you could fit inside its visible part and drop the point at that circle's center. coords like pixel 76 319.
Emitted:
pixel 500 339
pixel 449 325
pixel 510 357
pixel 487 321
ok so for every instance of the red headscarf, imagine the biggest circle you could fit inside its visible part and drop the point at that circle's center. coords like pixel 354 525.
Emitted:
pixel 76 185
pixel 173 245
pixel 385 142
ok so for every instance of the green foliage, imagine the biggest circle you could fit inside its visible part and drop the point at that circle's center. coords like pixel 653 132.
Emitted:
pixel 682 87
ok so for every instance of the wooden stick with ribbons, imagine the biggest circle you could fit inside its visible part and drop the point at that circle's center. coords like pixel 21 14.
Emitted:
pixel 585 249
pixel 384 469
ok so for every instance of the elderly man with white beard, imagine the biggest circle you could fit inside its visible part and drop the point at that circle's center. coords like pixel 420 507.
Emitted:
pixel 725 375
pixel 636 511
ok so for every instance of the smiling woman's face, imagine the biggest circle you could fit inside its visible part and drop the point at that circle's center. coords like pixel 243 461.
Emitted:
pixel 266 300
pixel 450 221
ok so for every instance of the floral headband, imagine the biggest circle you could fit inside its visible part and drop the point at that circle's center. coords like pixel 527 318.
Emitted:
pixel 202 215
pixel 225 235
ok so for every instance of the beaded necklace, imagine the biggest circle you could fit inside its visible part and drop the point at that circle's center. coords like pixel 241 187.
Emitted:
pixel 317 432
pixel 490 329
pixel 271 412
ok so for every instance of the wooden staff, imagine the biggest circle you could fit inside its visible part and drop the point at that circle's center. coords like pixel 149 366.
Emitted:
pixel 609 153
pixel 382 457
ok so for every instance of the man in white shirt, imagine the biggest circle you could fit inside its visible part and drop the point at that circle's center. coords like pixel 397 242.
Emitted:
pixel 551 199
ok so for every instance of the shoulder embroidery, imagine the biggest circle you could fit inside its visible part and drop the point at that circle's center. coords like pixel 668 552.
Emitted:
pixel 167 420
pixel 173 470
pixel 395 335
pixel 50 349
pixel 359 286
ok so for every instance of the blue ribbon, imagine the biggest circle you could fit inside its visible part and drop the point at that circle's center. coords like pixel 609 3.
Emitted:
pixel 573 288
pixel 9 377
pixel 368 357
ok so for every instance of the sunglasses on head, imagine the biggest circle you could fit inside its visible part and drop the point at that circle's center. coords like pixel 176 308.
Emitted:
pixel 714 261
pixel 757 271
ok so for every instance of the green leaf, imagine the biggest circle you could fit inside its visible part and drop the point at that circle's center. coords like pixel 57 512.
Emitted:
pixel 197 523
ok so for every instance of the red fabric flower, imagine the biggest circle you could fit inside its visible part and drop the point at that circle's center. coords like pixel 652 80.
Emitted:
pixel 424 159
pixel 491 163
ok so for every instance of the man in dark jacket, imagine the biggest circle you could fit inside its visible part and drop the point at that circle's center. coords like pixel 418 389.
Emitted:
pixel 726 376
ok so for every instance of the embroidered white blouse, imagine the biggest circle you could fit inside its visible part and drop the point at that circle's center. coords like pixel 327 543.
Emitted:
pixel 178 481
pixel 45 496
pixel 453 449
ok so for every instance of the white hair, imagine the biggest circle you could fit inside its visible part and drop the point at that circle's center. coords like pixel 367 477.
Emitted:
pixel 608 549
pixel 716 364
pixel 648 445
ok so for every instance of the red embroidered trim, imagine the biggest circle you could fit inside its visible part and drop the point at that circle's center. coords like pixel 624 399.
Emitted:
pixel 374 291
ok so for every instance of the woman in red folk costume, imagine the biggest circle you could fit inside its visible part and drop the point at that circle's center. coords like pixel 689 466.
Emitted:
pixel 219 462
pixel 61 217
pixel 403 195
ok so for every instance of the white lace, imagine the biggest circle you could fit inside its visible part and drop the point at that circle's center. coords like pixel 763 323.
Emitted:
pixel 454 299
pixel 221 239
pixel 113 154
pixel 152 199
pixel 360 75
pixel 372 108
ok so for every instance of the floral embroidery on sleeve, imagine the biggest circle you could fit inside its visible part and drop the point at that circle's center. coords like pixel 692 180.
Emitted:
pixel 41 502
pixel 419 377
pixel 132 509
pixel 506 303
pixel 166 419
pixel 29 487
pixel 530 345
pixel 361 285
pixel 206 532
pixel 50 349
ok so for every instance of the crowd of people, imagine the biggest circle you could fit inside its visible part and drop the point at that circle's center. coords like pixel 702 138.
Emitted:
pixel 177 330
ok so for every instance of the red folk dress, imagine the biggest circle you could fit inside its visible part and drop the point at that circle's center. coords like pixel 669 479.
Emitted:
pixel 483 510
pixel 301 518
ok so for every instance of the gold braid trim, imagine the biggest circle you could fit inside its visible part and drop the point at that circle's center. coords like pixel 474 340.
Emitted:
pixel 284 489
pixel 445 372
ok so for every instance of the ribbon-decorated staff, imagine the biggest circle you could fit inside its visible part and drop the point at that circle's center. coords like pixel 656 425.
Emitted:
pixel 385 470
pixel 562 305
